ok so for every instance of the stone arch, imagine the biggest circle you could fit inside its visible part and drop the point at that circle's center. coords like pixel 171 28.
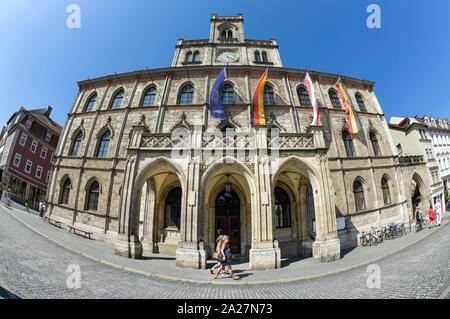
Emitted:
pixel 212 182
pixel 91 180
pixel 145 89
pixel 113 95
pixel 86 102
pixel 62 181
pixel 180 88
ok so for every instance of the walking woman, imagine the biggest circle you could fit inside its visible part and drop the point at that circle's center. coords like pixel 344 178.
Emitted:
pixel 224 258
pixel 431 216
pixel 216 253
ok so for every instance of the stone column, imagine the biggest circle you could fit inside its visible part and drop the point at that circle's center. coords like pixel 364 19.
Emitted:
pixel 264 252
pixel 127 243
pixel 149 218
pixel 191 251
pixel 326 247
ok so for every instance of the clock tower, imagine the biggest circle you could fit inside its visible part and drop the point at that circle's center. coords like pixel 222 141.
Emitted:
pixel 227 45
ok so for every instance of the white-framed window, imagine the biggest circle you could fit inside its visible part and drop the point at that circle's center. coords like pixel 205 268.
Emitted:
pixel 28 166
pixel 52 160
pixel 33 147
pixel 17 159
pixel 47 179
pixel 44 152
pixel 39 171
pixel 48 137
pixel 28 124
pixel 23 139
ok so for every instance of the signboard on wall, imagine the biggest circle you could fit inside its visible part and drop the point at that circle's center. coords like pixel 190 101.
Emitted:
pixel 340 224
pixel 5 154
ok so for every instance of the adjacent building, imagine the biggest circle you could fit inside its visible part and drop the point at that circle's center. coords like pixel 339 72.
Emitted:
pixel 415 142
pixel 27 146
pixel 141 163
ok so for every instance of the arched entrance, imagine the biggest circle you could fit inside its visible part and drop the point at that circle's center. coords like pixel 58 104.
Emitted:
pixel 228 217
pixel 415 197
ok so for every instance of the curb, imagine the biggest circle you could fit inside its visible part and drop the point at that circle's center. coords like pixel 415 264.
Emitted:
pixel 277 281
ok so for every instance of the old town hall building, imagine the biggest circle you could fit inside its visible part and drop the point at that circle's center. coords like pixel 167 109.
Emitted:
pixel 141 164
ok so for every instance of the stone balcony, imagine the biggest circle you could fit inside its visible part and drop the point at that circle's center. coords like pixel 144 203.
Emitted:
pixel 411 160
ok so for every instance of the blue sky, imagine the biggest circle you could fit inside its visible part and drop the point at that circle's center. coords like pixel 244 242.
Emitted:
pixel 41 59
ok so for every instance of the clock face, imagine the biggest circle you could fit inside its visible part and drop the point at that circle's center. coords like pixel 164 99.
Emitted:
pixel 228 56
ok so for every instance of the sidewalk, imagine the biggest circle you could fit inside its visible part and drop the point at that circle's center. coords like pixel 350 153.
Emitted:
pixel 161 266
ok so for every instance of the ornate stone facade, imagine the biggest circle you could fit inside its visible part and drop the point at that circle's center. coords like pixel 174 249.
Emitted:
pixel 171 177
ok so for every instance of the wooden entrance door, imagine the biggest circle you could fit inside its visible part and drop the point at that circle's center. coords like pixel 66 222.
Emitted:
pixel 228 219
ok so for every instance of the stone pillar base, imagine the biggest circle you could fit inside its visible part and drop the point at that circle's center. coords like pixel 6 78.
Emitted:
pixel 128 246
pixel 147 245
pixel 326 251
pixel 265 258
pixel 191 255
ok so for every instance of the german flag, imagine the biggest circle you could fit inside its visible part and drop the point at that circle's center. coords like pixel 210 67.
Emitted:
pixel 258 102
pixel 354 126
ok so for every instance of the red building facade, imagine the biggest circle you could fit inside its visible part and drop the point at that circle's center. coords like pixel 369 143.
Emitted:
pixel 26 154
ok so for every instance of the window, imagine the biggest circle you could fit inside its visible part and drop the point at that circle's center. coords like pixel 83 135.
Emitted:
pixel 93 195
pixel 17 160
pixel 334 99
pixel 76 144
pixel 282 208
pixel 33 147
pixel 28 166
pixel 44 152
pixel 303 96
pixel 52 160
pixel 227 94
pixel 28 124
pixel 257 56
pixel 186 95
pixel 117 100
pixel 269 96
pixel 375 146
pixel 104 144
pixel 149 97
pixel 91 103
pixel 173 208
pixel 23 139
pixel 359 196
pixel 399 148
pixel 360 101
pixel 264 57
pixel 65 192
pixel 385 189
pixel 47 179
pixel 189 56
pixel 348 143
pixel 48 137
pixel 226 33
pixel 39 171
pixel 196 56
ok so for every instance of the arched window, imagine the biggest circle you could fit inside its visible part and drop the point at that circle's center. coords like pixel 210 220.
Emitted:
pixel 117 100
pixel 360 101
pixel 385 189
pixel 264 57
pixel 303 96
pixel 65 192
pixel 104 144
pixel 257 56
pixel 186 95
pixel 223 34
pixel 335 99
pixel 189 56
pixel 196 56
pixel 375 146
pixel 358 191
pixel 149 97
pixel 76 144
pixel 94 192
pixel 348 143
pixel 282 208
pixel 173 208
pixel 227 94
pixel 90 106
pixel 269 96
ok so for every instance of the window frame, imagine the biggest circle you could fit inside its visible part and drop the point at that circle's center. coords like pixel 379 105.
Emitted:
pixel 151 94
pixel 114 104
pixel 358 195
pixel 348 143
pixel 269 95
pixel 23 137
pixel 385 190
pixel 76 143
pixel 31 166
pixel 90 104
pixel 335 98
pixel 93 197
pixel 186 94
pixel 305 97
pixel 42 151
pixel 40 169
pixel 35 144
pixel 65 192
pixel 282 219
pixel 103 145
pixel 17 156
pixel 360 101
pixel 229 95
pixel 375 145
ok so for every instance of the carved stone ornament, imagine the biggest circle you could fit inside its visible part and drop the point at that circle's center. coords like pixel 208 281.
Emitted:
pixel 183 123
pixel 273 123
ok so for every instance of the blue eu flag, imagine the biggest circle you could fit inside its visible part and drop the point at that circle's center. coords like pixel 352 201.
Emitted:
pixel 215 98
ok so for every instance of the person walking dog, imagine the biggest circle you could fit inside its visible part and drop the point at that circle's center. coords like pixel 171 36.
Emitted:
pixel 225 257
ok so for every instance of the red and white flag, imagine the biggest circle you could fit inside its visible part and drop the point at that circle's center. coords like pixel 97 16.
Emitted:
pixel 312 96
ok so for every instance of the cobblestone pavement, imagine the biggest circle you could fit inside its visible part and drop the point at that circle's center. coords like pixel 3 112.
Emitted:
pixel 33 267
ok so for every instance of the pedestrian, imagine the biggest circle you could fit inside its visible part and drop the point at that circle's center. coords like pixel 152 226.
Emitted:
pixel 1 191
pixel 8 195
pixel 41 209
pixel 27 206
pixel 431 216
pixel 419 218
pixel 225 257
pixel 437 211
pixel 216 253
